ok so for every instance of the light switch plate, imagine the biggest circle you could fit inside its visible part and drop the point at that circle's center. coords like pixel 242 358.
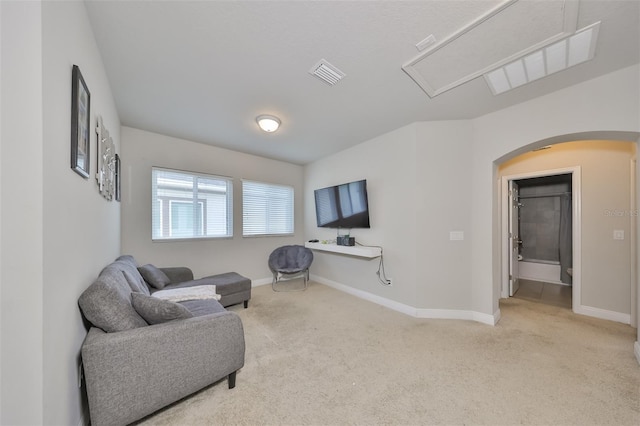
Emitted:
pixel 618 234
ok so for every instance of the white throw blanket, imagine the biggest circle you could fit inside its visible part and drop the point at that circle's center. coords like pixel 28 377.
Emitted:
pixel 198 292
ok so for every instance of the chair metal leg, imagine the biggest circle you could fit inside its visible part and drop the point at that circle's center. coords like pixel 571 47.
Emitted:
pixel 305 277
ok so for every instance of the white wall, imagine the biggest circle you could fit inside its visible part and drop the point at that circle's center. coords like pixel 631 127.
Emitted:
pixel 57 232
pixel 605 169
pixel 443 168
pixel 248 256
pixel 452 166
pixel 414 201
pixel 74 212
pixel 388 164
pixel 602 108
pixel 22 274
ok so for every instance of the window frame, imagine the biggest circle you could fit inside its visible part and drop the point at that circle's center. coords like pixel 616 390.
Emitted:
pixel 161 204
pixel 267 231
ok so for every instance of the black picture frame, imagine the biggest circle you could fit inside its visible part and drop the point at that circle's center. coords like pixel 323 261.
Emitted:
pixel 118 178
pixel 80 124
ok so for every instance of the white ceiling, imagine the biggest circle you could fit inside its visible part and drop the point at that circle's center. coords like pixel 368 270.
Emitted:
pixel 203 70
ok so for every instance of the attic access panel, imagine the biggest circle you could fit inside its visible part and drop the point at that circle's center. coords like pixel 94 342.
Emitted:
pixel 509 30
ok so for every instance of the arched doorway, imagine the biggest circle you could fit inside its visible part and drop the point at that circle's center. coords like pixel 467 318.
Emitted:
pixel 609 212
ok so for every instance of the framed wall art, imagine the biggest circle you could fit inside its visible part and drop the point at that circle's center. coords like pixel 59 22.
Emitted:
pixel 106 161
pixel 118 178
pixel 80 115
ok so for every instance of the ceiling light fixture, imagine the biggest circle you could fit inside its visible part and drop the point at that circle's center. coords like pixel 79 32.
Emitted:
pixel 573 50
pixel 268 123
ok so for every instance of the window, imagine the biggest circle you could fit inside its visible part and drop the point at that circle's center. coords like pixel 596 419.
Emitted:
pixel 266 209
pixel 190 205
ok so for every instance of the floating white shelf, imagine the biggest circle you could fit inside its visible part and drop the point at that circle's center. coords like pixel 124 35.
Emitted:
pixel 360 251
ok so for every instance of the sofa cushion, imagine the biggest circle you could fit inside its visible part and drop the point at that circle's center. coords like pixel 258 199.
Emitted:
pixel 178 274
pixel 154 276
pixel 128 264
pixel 136 282
pixel 229 283
pixel 156 311
pixel 127 258
pixel 203 307
pixel 107 302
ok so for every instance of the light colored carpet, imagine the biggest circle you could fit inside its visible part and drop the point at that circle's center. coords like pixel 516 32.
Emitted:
pixel 323 357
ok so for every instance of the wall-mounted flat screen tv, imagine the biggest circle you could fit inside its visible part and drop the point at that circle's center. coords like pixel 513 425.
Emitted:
pixel 343 206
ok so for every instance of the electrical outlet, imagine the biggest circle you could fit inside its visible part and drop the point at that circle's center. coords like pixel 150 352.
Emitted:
pixel 389 282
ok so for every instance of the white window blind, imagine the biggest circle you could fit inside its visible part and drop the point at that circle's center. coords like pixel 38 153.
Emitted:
pixel 189 205
pixel 266 209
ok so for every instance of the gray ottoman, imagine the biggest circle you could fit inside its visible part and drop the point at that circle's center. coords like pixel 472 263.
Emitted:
pixel 232 287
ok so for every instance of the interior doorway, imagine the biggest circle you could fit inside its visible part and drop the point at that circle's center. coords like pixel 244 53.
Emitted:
pixel 558 189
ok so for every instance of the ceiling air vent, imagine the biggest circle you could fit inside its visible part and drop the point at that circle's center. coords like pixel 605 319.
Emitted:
pixel 327 72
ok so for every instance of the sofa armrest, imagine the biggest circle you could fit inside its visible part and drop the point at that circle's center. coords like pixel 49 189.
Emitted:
pixel 132 373
pixel 178 274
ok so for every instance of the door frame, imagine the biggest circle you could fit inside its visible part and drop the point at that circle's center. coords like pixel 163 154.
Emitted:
pixel 513 217
pixel 576 213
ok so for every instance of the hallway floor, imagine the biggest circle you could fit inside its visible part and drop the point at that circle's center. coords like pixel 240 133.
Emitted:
pixel 547 293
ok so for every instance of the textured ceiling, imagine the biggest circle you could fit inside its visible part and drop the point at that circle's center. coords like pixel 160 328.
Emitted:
pixel 204 70
pixel 484 44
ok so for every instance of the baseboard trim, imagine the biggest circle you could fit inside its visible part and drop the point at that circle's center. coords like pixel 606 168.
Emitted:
pixel 261 281
pixel 636 350
pixel 459 314
pixel 410 310
pixel 391 304
pixel 603 314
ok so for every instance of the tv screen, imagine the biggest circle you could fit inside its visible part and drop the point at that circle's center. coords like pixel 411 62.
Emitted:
pixel 343 206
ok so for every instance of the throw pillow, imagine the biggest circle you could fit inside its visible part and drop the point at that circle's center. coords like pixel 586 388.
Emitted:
pixel 154 276
pixel 136 283
pixel 157 311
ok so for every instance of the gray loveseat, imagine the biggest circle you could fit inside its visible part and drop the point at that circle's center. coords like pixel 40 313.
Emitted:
pixel 142 353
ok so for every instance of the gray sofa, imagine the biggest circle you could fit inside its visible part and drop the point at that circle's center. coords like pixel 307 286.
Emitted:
pixel 142 353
